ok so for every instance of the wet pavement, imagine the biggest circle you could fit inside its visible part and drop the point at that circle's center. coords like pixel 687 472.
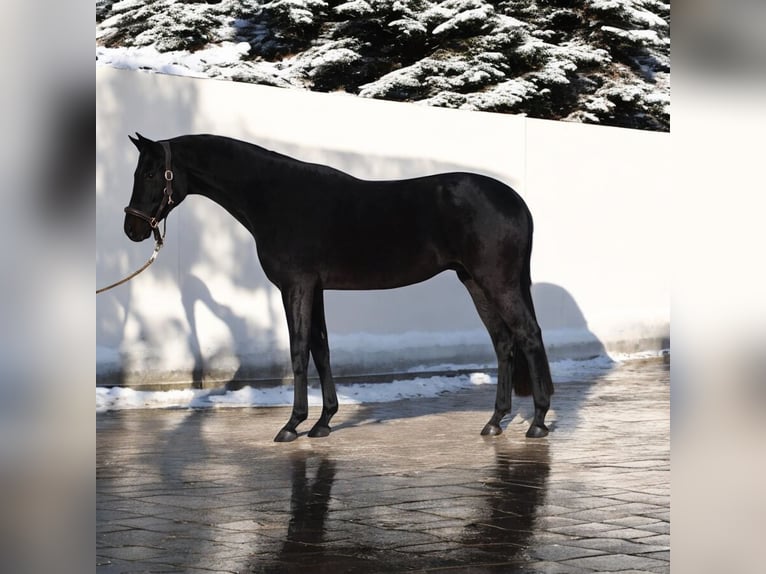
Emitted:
pixel 403 486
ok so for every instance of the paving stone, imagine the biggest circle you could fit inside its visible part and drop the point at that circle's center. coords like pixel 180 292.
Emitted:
pixel 558 552
pixel 400 486
pixel 554 510
pixel 662 555
pixel 639 508
pixel 583 530
pixel 617 563
pixel 663 515
pixel 547 567
pixel 658 527
pixel 628 533
pixel 619 546
pixel 633 521
pixel 540 537
pixel 131 553
pixel 660 539
pixel 603 514
pixel 552 523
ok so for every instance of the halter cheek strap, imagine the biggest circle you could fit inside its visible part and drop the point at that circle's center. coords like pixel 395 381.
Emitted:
pixel 167 199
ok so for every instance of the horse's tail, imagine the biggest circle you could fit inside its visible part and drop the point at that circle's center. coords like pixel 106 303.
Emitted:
pixel 520 379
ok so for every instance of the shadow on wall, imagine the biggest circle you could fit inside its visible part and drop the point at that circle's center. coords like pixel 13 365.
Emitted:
pixel 116 255
pixel 246 339
pixel 565 329
pixel 428 325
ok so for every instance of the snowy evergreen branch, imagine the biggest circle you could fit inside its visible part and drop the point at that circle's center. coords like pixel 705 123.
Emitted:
pixel 595 61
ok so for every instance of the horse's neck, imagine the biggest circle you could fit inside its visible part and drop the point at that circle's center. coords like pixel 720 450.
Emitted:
pixel 234 182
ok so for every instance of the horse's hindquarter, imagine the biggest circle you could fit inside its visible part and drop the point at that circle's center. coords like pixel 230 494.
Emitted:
pixel 357 234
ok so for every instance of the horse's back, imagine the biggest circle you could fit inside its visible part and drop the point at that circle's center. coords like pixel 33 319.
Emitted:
pixel 459 196
pixel 368 234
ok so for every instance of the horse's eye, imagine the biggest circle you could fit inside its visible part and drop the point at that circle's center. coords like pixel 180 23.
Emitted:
pixel 149 174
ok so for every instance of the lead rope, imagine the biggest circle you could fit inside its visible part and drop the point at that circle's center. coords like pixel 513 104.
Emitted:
pixel 157 246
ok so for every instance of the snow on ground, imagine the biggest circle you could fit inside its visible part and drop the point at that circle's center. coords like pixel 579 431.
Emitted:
pixel 117 398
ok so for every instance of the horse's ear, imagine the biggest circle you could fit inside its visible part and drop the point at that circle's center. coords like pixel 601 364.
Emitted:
pixel 140 141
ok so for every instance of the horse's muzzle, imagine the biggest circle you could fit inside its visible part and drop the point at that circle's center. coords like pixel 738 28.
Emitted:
pixel 136 229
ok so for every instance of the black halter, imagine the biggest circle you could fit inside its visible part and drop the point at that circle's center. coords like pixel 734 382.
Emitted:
pixel 167 199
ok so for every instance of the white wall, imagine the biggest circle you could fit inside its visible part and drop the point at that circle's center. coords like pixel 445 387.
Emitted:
pixel 597 194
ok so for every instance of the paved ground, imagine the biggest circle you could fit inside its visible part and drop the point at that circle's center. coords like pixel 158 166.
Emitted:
pixel 397 487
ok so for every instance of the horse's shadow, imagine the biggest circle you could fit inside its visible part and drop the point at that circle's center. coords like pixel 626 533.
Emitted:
pixel 309 504
pixel 196 291
pixel 516 488
pixel 500 531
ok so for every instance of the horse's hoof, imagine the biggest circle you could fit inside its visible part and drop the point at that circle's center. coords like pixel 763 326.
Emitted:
pixel 491 430
pixel 286 435
pixel 319 431
pixel 537 431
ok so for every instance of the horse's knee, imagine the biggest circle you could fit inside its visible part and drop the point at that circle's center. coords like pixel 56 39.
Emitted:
pixel 300 367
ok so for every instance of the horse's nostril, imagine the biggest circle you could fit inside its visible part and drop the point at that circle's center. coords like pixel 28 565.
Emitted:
pixel 130 231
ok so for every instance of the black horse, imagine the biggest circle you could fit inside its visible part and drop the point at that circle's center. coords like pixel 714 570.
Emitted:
pixel 318 228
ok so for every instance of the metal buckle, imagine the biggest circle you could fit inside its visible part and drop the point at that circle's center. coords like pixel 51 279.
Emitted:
pixel 168 175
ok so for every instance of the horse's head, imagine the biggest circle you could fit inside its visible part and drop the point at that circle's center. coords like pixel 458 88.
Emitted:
pixel 153 195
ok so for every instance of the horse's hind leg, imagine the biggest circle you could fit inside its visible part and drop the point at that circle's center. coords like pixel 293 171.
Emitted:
pixel 320 351
pixel 542 384
pixel 517 312
pixel 529 339
pixel 503 343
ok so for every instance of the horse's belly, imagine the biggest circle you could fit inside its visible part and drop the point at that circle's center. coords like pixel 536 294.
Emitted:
pixel 380 272
pixel 351 282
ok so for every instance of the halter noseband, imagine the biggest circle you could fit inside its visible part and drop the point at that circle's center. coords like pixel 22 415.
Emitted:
pixel 167 199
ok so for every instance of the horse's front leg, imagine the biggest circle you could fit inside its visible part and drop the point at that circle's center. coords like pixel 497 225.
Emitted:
pixel 298 299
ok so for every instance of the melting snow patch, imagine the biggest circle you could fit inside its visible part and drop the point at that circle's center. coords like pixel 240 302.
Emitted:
pixel 568 370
